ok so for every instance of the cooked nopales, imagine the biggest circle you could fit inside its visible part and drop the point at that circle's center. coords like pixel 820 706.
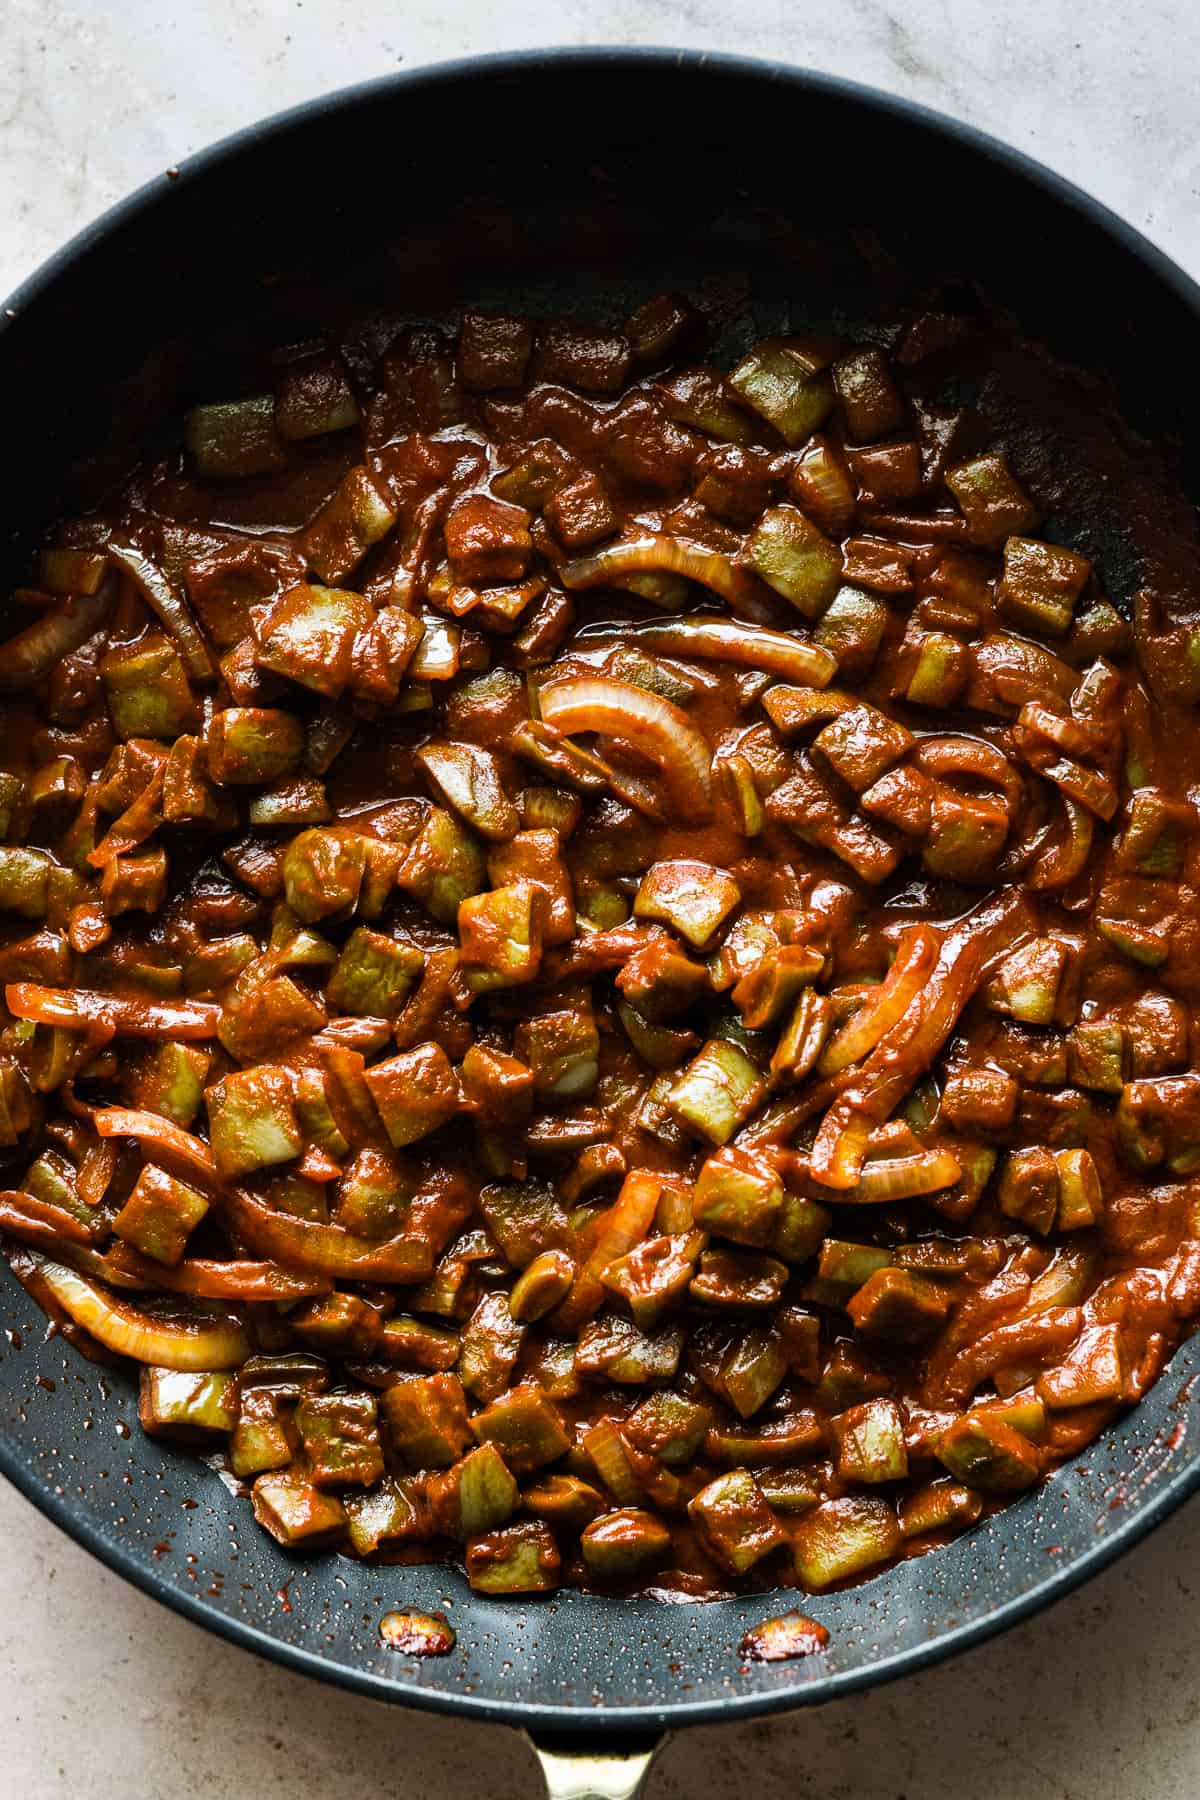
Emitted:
pixel 599 954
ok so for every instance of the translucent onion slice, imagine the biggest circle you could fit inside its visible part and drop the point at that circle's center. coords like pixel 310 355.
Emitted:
pixel 657 553
pixel 1064 860
pixel 1091 787
pixel 76 1009
pixel 96 1173
pixel 973 758
pixel 163 1139
pixel 617 1231
pixel 733 641
pixel 165 1343
pixel 996 926
pixel 35 1222
pixel 840 1147
pixel 327 1249
pixel 1029 1338
pixel 33 652
pixel 1065 1283
pixel 902 1177
pixel 1075 737
pixel 210 1279
pixel 919 528
pixel 896 1138
pixel 631 788
pixel 140 820
pixel 656 727
pixel 887 1004
pixel 170 607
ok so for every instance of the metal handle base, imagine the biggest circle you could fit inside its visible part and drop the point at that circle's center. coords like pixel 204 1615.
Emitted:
pixel 594 1775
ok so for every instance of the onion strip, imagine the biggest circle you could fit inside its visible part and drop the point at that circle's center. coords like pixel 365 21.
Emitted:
pixel 164 1343
pixel 646 721
pixel 210 1279
pixel 77 1009
pixel 163 1139
pixel 732 641
pixel 80 1257
pixel 886 1004
pixel 973 758
pixel 902 1177
pixel 659 554
pixel 325 1249
pixel 33 652
pixel 140 820
pixel 1064 860
pixel 928 528
pixel 1030 1337
pixel 840 1146
pixel 1091 787
pixel 617 1231
pixel 903 1055
pixel 170 608
pixel 1075 737
pixel 37 1223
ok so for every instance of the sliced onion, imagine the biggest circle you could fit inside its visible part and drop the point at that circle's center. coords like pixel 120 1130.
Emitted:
pixel 1030 1337
pixel 974 758
pixel 80 1257
pixel 902 1177
pixel 351 1033
pixel 886 1004
pixel 633 789
pixel 617 1232
pixel 918 528
pixel 1091 787
pixel 779 1119
pixel 76 1009
pixel 1074 736
pixel 327 1249
pixel 733 641
pixel 1009 671
pixel 896 1138
pixel 657 553
pixel 1065 1283
pixel 840 1147
pixel 169 606
pixel 1059 865
pixel 903 1055
pixel 96 1173
pixel 33 652
pixel 656 727
pixel 210 1279
pixel 34 1222
pixel 165 1343
pixel 162 1138
pixel 140 820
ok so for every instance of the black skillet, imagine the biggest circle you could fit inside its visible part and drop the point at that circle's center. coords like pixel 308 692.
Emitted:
pixel 579 182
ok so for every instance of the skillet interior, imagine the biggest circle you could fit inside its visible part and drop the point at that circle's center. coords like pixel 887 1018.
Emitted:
pixel 579 182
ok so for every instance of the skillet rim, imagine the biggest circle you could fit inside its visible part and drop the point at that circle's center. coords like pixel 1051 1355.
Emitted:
pixel 577 1721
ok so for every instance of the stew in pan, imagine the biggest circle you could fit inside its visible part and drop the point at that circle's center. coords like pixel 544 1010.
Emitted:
pixel 600 955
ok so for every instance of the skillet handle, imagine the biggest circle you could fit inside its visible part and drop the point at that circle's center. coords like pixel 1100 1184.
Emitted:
pixel 579 1772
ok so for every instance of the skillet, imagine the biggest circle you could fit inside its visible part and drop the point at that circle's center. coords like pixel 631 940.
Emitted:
pixel 582 181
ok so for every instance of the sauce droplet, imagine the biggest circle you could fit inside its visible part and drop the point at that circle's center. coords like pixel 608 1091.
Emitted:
pixel 418 1633
pixel 779 1639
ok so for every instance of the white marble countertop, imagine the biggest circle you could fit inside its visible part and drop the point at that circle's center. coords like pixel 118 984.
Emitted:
pixel 105 1695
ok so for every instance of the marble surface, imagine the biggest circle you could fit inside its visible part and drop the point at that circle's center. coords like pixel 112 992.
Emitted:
pixel 104 1694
